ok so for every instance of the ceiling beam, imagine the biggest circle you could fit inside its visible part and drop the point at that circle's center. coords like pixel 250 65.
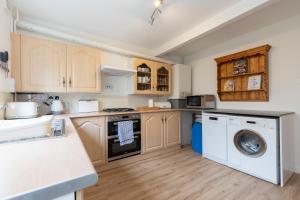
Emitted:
pixel 231 14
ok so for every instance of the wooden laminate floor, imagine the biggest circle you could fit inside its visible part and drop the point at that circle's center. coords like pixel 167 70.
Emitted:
pixel 180 174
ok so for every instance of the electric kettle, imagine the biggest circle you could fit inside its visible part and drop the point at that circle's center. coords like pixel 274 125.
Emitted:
pixel 57 106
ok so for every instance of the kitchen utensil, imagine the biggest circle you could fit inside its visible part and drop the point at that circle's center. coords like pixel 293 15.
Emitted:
pixel 57 106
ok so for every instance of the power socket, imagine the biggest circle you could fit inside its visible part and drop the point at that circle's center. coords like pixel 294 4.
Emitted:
pixel 108 87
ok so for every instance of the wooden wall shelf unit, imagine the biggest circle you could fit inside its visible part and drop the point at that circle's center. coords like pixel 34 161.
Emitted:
pixel 256 60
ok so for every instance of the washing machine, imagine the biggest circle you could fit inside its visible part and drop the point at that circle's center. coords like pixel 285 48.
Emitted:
pixel 253 146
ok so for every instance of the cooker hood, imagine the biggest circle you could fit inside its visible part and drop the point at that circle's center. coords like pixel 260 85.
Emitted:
pixel 117 71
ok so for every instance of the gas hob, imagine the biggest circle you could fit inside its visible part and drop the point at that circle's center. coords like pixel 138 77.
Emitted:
pixel 118 109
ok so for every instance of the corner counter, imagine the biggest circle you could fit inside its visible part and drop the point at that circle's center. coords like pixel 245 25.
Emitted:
pixel 46 168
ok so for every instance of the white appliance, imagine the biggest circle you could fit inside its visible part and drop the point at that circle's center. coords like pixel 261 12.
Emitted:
pixel 214 137
pixel 253 146
pixel 90 105
pixel 21 110
pixel 164 104
pixel 57 106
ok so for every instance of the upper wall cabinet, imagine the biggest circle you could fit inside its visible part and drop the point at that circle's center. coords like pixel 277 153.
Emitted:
pixel 43 65
pixel 163 77
pixel 144 77
pixel 152 77
pixel 83 65
pixel 40 65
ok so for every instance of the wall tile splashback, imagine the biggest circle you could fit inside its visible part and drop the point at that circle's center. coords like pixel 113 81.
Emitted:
pixel 70 101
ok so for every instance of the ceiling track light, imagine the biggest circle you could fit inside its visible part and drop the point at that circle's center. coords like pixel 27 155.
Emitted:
pixel 156 12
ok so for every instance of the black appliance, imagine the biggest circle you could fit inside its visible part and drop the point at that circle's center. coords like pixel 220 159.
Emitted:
pixel 115 150
pixel 117 109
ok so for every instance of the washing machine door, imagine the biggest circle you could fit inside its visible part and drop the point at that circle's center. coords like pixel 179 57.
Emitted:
pixel 250 143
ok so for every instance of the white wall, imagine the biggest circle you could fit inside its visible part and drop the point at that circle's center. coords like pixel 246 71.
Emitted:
pixel 284 37
pixel 4 46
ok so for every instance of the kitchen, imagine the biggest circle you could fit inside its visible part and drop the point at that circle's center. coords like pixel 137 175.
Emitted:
pixel 84 75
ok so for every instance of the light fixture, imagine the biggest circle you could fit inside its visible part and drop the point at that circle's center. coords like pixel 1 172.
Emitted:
pixel 158 3
pixel 156 12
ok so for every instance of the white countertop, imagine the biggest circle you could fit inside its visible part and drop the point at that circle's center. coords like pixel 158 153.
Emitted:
pixel 50 167
pixel 33 166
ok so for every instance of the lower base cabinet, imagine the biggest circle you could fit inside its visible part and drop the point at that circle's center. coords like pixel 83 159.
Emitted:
pixel 92 133
pixel 172 128
pixel 159 130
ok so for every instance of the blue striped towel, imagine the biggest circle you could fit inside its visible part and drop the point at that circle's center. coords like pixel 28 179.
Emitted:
pixel 125 132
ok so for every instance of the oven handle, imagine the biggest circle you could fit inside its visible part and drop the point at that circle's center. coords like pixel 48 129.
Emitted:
pixel 116 136
pixel 117 140
pixel 116 122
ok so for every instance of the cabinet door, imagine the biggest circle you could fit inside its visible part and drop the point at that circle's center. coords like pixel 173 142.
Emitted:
pixel 152 131
pixel 163 79
pixel 83 69
pixel 43 65
pixel 144 77
pixel 172 128
pixel 92 133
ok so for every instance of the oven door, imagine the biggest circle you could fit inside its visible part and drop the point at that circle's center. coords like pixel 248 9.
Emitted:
pixel 194 101
pixel 112 127
pixel 116 151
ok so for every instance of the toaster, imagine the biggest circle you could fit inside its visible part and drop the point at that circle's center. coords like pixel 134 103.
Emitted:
pixel 21 110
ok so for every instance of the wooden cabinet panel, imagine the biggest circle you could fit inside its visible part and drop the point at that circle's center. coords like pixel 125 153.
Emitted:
pixel 152 77
pixel 144 78
pixel 163 78
pixel 172 128
pixel 152 131
pixel 161 129
pixel 43 65
pixel 93 135
pixel 83 66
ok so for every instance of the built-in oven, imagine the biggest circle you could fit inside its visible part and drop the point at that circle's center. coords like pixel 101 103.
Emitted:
pixel 117 151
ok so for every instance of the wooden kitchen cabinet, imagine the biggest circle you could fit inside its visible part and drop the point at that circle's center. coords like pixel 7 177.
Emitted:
pixel 172 128
pixel 159 130
pixel 152 131
pixel 83 71
pixel 40 65
pixel 152 77
pixel 163 79
pixel 93 136
pixel 144 77
pixel 43 65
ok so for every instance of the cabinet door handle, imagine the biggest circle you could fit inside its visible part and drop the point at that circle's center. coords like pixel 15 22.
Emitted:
pixel 70 81
pixel 165 119
pixel 64 81
pixel 162 119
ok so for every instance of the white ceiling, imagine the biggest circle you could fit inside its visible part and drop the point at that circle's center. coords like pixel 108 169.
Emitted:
pixel 125 23
pixel 274 13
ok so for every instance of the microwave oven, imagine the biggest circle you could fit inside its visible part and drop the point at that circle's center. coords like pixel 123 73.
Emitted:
pixel 201 101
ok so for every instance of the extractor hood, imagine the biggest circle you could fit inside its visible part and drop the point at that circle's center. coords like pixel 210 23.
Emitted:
pixel 117 71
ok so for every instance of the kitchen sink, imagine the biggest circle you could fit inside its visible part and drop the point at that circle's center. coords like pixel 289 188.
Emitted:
pixel 30 129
